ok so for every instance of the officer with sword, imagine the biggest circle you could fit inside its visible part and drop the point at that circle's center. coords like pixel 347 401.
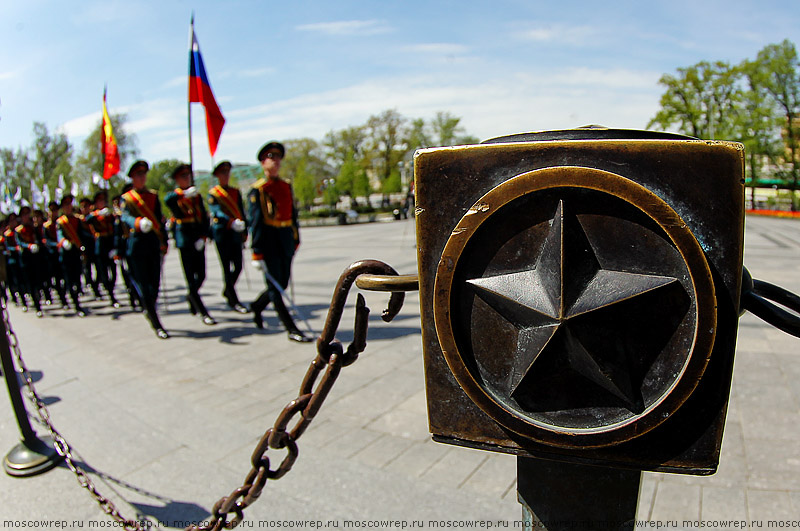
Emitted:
pixel 274 237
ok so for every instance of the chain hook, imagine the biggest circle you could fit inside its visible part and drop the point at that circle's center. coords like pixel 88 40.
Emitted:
pixel 327 339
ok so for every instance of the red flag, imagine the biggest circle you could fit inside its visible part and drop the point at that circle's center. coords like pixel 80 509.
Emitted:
pixel 110 151
pixel 200 91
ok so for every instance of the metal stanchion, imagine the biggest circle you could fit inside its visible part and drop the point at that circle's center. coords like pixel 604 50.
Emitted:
pixel 33 455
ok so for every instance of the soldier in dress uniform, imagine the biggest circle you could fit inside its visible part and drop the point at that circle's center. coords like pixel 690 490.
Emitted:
pixel 55 272
pixel 190 223
pixel 13 271
pixel 42 258
pixel 274 236
pixel 88 245
pixel 147 241
pixel 100 223
pixel 28 247
pixel 228 228
pixel 69 244
pixel 121 245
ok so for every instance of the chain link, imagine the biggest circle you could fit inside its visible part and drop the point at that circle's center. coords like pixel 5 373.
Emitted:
pixel 228 511
pixel 61 445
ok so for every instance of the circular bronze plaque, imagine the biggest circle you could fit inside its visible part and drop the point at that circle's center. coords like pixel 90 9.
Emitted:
pixel 575 307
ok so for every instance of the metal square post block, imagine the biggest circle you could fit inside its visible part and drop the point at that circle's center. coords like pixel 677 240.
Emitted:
pixel 580 295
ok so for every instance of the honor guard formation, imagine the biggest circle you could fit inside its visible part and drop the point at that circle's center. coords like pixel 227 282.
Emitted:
pixel 80 248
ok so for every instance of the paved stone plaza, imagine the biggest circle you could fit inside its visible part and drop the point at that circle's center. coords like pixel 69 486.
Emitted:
pixel 167 427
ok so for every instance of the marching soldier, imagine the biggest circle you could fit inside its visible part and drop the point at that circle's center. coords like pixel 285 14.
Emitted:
pixel 100 223
pixel 28 248
pixel 69 243
pixel 121 245
pixel 13 271
pixel 228 227
pixel 54 271
pixel 147 242
pixel 88 245
pixel 42 258
pixel 190 222
pixel 274 236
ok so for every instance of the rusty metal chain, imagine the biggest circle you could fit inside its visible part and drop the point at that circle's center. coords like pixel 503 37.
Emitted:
pixel 228 512
pixel 61 445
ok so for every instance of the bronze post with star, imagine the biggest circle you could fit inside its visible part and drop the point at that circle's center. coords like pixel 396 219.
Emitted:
pixel 579 309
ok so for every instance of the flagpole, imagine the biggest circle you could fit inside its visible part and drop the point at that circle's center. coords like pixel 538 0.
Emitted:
pixel 188 99
pixel 103 132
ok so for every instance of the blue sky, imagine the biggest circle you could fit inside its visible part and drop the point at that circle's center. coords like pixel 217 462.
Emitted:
pixel 300 69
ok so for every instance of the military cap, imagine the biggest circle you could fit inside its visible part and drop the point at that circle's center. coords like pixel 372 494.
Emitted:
pixel 262 153
pixel 222 166
pixel 138 164
pixel 180 168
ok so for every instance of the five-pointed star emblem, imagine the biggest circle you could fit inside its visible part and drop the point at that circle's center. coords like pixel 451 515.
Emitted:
pixel 552 305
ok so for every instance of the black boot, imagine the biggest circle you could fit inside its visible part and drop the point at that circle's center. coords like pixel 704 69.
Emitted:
pixel 233 300
pixel 155 322
pixel 257 306
pixel 286 318
pixel 77 305
pixel 197 303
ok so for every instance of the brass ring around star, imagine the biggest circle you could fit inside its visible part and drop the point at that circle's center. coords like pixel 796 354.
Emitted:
pixel 575 307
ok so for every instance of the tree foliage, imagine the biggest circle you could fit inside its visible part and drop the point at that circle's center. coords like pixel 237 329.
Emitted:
pixel 353 162
pixel 89 161
pixel 756 102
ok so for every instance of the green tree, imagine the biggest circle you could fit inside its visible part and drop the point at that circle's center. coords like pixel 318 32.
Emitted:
pixel 758 126
pixel 777 71
pixel 305 166
pixel 17 170
pixel 159 178
pixel 701 101
pixel 386 148
pixel 352 179
pixel 448 131
pixel 90 160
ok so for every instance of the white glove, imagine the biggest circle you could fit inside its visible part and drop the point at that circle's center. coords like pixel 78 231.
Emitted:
pixel 112 253
pixel 169 224
pixel 200 244
pixel 34 248
pixel 67 245
pixel 190 192
pixel 258 264
pixel 145 225
pixel 105 212
pixel 238 225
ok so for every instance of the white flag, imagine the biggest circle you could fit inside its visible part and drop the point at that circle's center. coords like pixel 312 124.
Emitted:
pixel 18 194
pixel 74 190
pixel 61 183
pixel 46 194
pixel 36 196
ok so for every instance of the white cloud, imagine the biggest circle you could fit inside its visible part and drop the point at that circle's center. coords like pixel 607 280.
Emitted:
pixel 489 106
pixel 347 27
pixel 440 48
pixel 256 72
pixel 557 33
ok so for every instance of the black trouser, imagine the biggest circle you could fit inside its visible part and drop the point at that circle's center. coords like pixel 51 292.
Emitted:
pixel 145 271
pixel 105 267
pixel 31 268
pixel 230 258
pixel 72 267
pixel 194 269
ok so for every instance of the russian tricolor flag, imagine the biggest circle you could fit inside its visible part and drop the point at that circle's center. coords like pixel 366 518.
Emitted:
pixel 200 91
